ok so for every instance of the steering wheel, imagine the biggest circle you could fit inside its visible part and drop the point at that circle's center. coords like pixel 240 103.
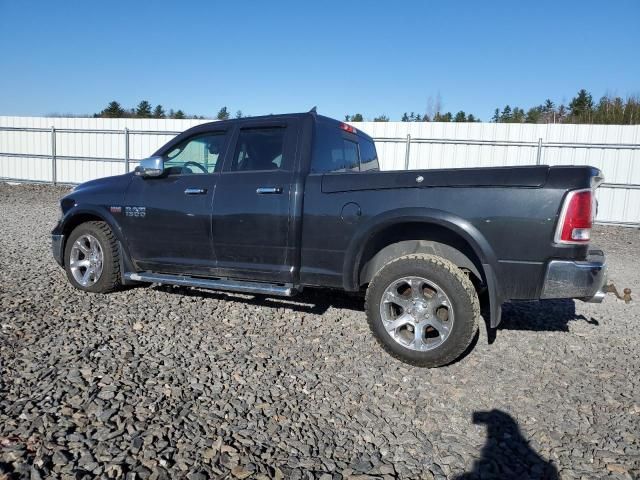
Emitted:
pixel 195 164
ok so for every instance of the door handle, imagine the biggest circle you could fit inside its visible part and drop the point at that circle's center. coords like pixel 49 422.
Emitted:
pixel 195 191
pixel 268 190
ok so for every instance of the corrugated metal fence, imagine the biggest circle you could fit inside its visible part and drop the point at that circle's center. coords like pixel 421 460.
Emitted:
pixel 73 150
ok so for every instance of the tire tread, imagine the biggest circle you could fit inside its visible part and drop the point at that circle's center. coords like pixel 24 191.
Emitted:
pixel 111 280
pixel 463 341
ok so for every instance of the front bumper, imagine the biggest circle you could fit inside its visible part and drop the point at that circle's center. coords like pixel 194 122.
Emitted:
pixel 57 242
pixel 576 279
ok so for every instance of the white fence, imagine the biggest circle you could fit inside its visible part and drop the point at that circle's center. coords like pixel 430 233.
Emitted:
pixel 73 150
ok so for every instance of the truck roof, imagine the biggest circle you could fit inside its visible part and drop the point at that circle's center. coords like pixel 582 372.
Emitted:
pixel 282 116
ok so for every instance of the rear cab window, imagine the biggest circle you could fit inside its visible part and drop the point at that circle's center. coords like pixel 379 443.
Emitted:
pixel 368 155
pixel 337 150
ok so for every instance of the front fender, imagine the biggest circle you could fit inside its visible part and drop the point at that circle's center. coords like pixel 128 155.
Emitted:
pixel 71 219
pixel 80 214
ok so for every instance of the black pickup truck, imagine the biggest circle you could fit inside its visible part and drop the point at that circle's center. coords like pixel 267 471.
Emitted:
pixel 271 205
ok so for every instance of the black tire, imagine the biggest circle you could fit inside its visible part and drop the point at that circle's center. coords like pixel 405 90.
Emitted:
pixel 461 295
pixel 109 280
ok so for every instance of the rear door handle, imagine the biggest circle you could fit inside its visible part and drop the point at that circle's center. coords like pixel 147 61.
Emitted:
pixel 268 190
pixel 195 191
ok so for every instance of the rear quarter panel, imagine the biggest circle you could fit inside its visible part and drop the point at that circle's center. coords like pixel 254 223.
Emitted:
pixel 513 224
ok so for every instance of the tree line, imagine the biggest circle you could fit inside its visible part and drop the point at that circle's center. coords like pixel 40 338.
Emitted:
pixel 581 109
pixel 145 110
pixel 461 116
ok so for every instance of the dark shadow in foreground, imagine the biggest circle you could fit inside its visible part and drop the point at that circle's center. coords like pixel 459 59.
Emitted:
pixel 506 453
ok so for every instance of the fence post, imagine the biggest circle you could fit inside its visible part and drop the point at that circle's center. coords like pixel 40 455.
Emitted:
pixel 406 152
pixel 539 154
pixel 126 150
pixel 54 176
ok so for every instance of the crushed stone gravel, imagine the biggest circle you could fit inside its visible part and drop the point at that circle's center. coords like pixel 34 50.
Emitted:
pixel 164 382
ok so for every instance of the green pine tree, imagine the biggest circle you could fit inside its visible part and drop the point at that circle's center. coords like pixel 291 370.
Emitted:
pixel 581 107
pixel 442 117
pixel 518 115
pixel 534 115
pixel 143 110
pixel 506 115
pixel 158 112
pixel 223 114
pixel 113 110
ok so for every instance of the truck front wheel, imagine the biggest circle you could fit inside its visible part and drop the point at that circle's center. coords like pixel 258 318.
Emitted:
pixel 422 309
pixel 91 258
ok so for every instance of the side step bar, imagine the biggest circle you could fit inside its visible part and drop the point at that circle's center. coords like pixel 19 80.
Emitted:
pixel 285 290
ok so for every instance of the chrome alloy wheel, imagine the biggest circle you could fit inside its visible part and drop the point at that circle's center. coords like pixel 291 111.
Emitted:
pixel 416 313
pixel 86 259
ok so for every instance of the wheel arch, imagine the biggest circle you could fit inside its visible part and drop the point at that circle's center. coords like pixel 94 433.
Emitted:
pixel 422 230
pixel 77 217
pixel 436 241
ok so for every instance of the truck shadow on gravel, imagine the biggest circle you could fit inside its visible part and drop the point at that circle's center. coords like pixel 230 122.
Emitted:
pixel 506 453
pixel 541 316
pixel 310 301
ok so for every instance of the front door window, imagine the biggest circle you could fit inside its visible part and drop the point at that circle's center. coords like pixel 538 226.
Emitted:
pixel 196 155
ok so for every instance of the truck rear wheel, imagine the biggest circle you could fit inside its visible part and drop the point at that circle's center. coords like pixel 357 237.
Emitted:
pixel 91 258
pixel 422 309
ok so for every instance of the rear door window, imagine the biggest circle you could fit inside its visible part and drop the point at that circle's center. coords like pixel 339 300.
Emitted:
pixel 258 149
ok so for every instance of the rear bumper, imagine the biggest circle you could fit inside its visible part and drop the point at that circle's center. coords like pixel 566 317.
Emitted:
pixel 57 241
pixel 576 279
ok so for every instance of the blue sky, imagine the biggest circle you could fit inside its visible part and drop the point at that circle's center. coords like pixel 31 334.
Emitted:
pixel 345 56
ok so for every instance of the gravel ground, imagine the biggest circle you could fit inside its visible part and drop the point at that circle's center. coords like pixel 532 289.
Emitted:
pixel 162 382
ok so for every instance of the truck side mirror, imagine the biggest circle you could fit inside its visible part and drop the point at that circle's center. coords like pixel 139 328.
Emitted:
pixel 150 167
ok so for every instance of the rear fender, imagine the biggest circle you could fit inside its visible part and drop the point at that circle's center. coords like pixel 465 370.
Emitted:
pixel 457 225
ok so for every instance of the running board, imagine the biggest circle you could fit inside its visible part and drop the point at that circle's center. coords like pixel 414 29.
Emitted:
pixel 285 290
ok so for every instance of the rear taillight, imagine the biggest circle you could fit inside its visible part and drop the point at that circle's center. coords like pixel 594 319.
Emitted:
pixel 576 218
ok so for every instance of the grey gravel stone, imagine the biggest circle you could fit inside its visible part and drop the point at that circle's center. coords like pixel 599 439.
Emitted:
pixel 164 382
pixel 61 458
